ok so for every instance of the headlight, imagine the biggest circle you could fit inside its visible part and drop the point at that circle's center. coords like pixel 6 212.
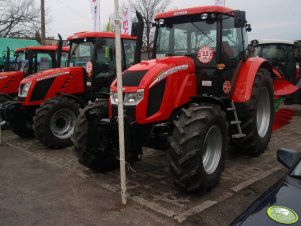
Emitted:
pixel 24 91
pixel 114 98
pixel 133 98
pixel 130 99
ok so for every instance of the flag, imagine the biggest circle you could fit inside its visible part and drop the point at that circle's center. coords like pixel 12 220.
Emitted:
pixel 95 13
pixel 219 2
pixel 109 26
pixel 126 23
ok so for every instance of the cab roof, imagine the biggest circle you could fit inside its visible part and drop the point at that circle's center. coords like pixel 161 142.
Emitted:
pixel 86 34
pixel 272 41
pixel 41 48
pixel 192 11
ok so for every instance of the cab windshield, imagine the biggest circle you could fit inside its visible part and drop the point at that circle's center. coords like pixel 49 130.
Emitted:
pixel 281 57
pixel 81 52
pixel 182 38
pixel 20 61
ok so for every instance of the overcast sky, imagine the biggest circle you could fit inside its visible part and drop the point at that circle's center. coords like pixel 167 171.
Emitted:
pixel 277 19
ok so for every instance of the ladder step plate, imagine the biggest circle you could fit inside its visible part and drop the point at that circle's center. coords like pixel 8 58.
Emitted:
pixel 235 122
pixel 238 135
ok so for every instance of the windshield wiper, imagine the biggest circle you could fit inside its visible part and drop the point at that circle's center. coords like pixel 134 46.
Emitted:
pixel 199 29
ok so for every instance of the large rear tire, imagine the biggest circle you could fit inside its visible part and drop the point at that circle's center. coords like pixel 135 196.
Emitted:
pixel 86 153
pixel 53 122
pixel 198 146
pixel 256 117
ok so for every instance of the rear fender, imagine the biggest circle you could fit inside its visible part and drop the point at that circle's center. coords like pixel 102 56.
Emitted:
pixel 244 84
pixel 76 98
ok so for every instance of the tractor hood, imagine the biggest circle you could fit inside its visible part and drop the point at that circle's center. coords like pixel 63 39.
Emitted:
pixel 10 79
pixel 148 73
pixel 47 84
pixel 51 73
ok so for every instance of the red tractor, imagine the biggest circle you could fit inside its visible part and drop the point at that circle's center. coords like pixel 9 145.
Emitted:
pixel 49 102
pixel 284 56
pixel 28 60
pixel 201 90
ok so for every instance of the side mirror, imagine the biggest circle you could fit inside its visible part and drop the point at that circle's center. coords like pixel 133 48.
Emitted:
pixel 240 19
pixel 287 157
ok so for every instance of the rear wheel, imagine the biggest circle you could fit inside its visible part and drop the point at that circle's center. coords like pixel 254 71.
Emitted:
pixel 53 122
pixel 257 117
pixel 87 153
pixel 198 145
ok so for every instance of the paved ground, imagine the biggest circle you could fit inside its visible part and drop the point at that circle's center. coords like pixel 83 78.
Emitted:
pixel 40 186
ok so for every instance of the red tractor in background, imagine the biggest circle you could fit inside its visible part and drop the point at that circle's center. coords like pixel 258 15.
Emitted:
pixel 28 60
pixel 49 102
pixel 201 90
pixel 284 56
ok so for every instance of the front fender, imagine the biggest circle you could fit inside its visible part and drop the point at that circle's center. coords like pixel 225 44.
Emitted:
pixel 244 84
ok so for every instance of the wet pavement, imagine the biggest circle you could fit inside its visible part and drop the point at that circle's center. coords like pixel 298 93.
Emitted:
pixel 152 195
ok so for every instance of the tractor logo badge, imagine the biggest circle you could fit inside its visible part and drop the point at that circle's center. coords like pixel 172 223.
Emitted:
pixel 226 87
pixel 205 54
pixel 282 215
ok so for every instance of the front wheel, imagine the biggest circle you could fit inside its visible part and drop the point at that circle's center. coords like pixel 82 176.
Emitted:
pixel 198 146
pixel 85 138
pixel 256 117
pixel 53 122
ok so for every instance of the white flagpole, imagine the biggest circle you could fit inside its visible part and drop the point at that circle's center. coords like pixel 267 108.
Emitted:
pixel 120 105
pixel 98 7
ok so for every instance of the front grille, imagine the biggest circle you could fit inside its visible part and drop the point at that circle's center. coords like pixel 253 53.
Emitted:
pixel 156 94
pixel 129 112
pixel 41 89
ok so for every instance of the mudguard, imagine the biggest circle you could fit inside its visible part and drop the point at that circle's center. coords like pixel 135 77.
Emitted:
pixel 243 88
pixel 245 79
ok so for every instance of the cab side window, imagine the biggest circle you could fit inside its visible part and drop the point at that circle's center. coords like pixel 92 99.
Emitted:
pixel 129 51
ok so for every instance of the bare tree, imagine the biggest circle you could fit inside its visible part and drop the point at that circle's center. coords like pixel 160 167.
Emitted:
pixel 19 18
pixel 148 9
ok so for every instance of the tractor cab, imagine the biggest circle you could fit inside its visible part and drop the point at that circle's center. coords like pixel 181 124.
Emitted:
pixel 285 60
pixel 215 40
pixel 34 59
pixel 28 60
pixel 280 53
pixel 95 53
pixel 7 63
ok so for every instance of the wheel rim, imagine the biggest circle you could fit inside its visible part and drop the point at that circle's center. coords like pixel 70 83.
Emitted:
pixel 61 123
pixel 263 112
pixel 213 146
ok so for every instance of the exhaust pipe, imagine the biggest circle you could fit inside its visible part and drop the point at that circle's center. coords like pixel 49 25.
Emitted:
pixel 137 30
pixel 59 51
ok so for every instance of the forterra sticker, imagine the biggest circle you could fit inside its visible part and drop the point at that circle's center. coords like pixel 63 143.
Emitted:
pixel 205 54
pixel 282 215
pixel 226 86
pixel 89 68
